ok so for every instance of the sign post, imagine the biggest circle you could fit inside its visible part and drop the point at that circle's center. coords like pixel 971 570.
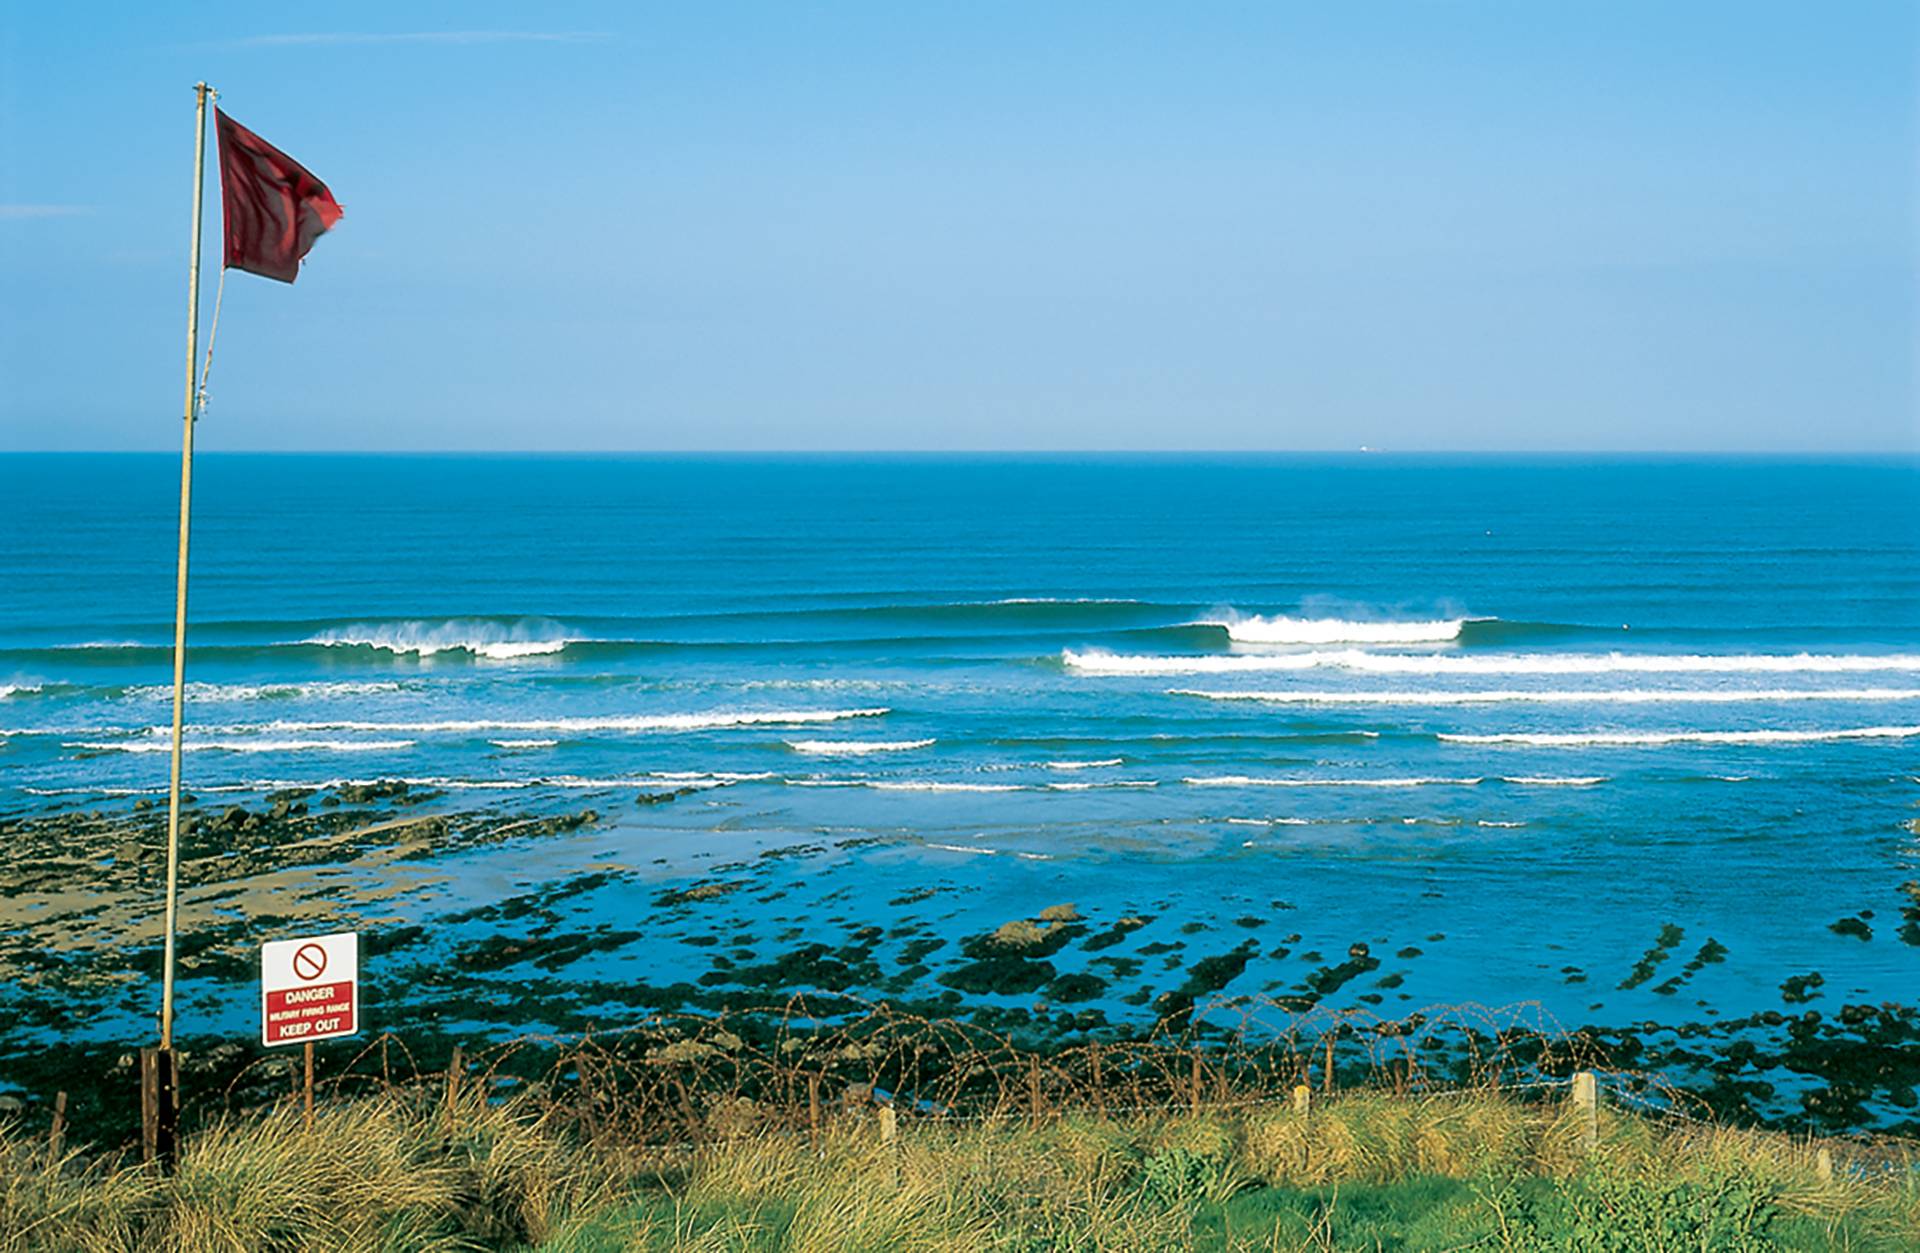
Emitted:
pixel 309 990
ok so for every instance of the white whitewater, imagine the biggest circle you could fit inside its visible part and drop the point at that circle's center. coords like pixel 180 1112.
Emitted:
pixel 717 720
pixel 855 748
pixel 1634 696
pixel 487 640
pixel 1243 780
pixel 1280 629
pixel 1361 661
pixel 1631 739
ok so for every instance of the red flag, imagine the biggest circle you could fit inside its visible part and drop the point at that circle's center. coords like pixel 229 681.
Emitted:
pixel 271 206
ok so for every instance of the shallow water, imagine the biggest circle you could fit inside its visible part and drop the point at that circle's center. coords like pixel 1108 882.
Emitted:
pixel 1540 707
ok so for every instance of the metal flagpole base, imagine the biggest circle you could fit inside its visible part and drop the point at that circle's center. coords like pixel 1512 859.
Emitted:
pixel 160 1107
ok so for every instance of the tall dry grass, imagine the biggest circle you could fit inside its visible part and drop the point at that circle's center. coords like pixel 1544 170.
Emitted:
pixel 404 1171
pixel 397 1171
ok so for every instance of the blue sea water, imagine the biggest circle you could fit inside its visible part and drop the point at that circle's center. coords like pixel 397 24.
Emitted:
pixel 1538 706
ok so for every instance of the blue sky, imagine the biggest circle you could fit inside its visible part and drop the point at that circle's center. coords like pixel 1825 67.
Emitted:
pixel 982 226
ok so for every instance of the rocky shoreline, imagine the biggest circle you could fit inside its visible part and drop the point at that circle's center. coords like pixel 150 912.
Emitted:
pixel 79 942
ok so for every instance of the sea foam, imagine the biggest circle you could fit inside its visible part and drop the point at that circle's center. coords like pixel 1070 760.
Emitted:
pixel 214 693
pixel 1285 630
pixel 488 640
pixel 1361 661
pixel 855 748
pixel 1540 780
pixel 1101 785
pixel 242 746
pixel 929 785
pixel 1634 739
pixel 717 720
pixel 1243 780
pixel 1632 696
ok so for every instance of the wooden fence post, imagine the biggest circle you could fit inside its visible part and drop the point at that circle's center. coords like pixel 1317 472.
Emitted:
pixel 1099 1088
pixel 1033 1092
pixel 58 1131
pixel 1302 1100
pixel 1194 1082
pixel 307 1086
pixel 1823 1164
pixel 159 1107
pixel 1586 1101
pixel 456 1066
pixel 1326 1073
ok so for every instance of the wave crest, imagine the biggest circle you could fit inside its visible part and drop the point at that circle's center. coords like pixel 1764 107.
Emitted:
pixel 641 722
pixel 1280 629
pixel 1096 662
pixel 1635 696
pixel 1639 739
pixel 1243 780
pixel 478 638
pixel 855 748
pixel 216 692
pixel 242 746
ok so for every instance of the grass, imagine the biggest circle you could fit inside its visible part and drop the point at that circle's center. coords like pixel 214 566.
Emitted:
pixel 401 1171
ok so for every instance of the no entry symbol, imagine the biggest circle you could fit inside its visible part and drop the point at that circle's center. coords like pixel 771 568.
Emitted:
pixel 309 988
pixel 309 961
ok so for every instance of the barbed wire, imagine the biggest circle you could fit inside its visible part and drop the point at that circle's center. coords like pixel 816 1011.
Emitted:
pixel 679 1080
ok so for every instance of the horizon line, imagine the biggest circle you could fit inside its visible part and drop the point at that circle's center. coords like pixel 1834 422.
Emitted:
pixel 1357 453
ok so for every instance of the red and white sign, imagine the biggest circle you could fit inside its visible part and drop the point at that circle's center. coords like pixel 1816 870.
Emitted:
pixel 309 989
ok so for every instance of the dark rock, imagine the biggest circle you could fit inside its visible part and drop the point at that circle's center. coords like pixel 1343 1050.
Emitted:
pixel 1801 988
pixel 1004 975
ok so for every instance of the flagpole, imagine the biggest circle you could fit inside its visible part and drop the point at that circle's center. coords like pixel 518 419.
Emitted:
pixel 203 93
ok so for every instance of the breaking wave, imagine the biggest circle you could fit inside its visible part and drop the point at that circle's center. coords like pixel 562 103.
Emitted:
pixel 1608 739
pixel 927 785
pixel 1086 765
pixel 1243 780
pixel 217 692
pixel 1541 780
pixel 640 722
pixel 919 785
pixel 1055 600
pixel 489 640
pixel 1093 662
pixel 1634 696
pixel 1285 630
pixel 241 746
pixel 855 748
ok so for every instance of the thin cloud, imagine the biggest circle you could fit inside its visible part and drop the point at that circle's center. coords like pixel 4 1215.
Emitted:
pixel 18 211
pixel 322 38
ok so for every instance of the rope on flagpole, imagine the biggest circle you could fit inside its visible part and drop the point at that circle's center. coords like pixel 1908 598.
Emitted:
pixel 213 332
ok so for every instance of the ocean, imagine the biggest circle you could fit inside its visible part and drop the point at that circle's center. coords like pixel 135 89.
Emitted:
pixel 1515 714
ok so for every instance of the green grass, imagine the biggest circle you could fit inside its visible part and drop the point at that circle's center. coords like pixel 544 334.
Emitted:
pixel 1367 1171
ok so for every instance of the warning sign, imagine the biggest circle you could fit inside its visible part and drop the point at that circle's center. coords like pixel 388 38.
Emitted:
pixel 309 989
